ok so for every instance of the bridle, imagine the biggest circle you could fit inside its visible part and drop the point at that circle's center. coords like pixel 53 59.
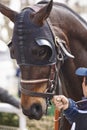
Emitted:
pixel 52 83
pixel 50 87
pixel 52 80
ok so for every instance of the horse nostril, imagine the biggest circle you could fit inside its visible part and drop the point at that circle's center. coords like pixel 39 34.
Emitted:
pixel 36 111
pixel 36 108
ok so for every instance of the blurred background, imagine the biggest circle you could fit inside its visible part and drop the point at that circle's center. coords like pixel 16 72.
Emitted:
pixel 8 67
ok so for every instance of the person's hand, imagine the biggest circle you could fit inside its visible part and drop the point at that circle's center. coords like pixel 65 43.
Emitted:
pixel 60 102
pixel 84 87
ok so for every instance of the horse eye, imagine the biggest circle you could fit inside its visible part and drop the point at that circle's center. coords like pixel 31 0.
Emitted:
pixel 42 52
pixel 39 53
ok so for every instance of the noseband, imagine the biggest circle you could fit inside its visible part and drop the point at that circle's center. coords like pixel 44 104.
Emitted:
pixel 50 86
pixel 34 81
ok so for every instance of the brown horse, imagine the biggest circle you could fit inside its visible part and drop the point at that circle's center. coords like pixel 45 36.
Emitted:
pixel 44 36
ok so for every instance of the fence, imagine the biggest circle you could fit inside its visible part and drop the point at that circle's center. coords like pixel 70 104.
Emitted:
pixel 7 108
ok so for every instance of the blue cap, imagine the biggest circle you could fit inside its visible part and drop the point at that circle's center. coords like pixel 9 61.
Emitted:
pixel 81 71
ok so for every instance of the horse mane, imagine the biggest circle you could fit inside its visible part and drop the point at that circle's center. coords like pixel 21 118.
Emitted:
pixel 66 7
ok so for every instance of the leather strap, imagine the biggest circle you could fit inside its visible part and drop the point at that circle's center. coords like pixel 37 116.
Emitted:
pixel 36 94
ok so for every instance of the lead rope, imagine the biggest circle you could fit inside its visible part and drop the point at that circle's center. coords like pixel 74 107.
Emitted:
pixel 57 113
pixel 60 59
pixel 57 117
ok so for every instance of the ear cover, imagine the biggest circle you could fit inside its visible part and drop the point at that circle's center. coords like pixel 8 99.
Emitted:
pixel 10 44
pixel 11 50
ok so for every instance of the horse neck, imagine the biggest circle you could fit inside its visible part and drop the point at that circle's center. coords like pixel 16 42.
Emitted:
pixel 70 23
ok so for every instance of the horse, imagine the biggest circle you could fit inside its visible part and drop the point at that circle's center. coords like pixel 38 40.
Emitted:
pixel 49 44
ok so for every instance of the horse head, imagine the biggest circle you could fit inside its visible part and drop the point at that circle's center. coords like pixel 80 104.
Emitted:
pixel 33 47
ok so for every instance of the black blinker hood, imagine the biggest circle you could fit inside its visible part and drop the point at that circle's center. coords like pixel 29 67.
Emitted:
pixel 25 37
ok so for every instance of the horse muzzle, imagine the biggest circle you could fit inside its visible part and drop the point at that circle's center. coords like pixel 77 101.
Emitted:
pixel 34 112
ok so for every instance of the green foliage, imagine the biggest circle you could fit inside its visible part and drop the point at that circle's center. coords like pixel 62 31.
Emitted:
pixel 9 119
pixel 51 110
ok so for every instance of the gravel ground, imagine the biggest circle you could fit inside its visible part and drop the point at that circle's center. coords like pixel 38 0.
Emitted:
pixel 46 123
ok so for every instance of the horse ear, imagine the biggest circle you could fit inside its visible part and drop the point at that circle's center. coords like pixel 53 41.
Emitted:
pixel 40 16
pixel 8 12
